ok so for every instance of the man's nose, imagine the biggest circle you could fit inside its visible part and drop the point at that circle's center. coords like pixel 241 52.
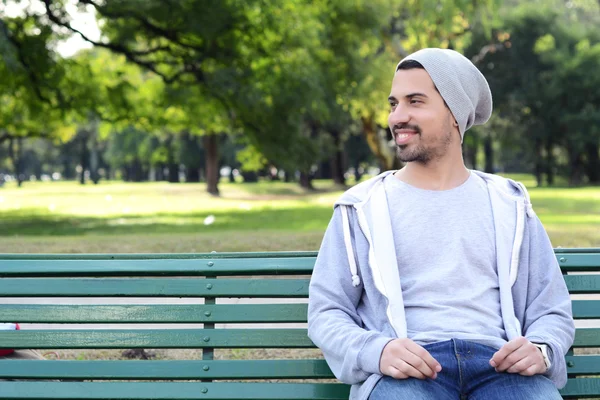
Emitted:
pixel 399 115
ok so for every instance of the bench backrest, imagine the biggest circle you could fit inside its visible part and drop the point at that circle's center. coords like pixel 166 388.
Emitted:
pixel 207 283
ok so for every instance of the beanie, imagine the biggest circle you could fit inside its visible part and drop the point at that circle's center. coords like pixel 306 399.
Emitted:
pixel 462 86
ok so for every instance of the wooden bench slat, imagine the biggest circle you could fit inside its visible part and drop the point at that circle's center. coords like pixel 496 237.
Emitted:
pixel 581 388
pixel 154 267
pixel 173 390
pixel 161 256
pixel 579 262
pixel 154 338
pixel 165 370
pixel 583 284
pixel 153 313
pixel 187 338
pixel 588 337
pixel 583 364
pixel 189 313
pixel 586 309
pixel 152 287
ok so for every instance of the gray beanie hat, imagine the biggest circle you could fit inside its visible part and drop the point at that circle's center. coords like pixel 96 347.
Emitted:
pixel 462 86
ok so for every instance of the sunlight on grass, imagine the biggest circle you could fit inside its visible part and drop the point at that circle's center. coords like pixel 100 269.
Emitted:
pixel 163 217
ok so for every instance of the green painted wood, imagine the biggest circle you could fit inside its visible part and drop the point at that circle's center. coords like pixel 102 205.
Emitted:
pixel 152 287
pixel 577 250
pixel 154 338
pixel 586 309
pixel 158 256
pixel 165 370
pixel 153 313
pixel 589 337
pixel 583 364
pixel 162 267
pixel 173 390
pixel 583 284
pixel 579 261
pixel 581 388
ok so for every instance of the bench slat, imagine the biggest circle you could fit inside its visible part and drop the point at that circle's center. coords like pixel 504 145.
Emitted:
pixel 154 313
pixel 583 364
pixel 579 262
pixel 152 287
pixel 164 256
pixel 582 388
pixel 583 284
pixel 586 309
pixel 155 338
pixel 164 370
pixel 173 390
pixel 184 313
pixel 187 338
pixel 589 337
pixel 154 267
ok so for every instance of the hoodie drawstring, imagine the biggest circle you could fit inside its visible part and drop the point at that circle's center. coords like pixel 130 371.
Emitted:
pixel 348 243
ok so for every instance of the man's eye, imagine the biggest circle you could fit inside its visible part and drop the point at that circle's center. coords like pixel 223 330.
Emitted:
pixel 415 101
pixel 393 105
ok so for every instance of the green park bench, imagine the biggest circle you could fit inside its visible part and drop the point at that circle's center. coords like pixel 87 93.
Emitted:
pixel 279 279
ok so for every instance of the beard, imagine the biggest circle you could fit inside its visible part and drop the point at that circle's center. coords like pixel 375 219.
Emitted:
pixel 424 153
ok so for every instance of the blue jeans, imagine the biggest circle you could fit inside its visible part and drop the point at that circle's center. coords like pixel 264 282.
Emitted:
pixel 466 375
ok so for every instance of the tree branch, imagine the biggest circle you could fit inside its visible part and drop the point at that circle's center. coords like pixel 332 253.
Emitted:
pixel 490 48
pixel 30 73
pixel 170 35
pixel 131 55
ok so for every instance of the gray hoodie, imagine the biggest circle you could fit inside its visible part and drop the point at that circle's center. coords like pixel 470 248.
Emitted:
pixel 355 296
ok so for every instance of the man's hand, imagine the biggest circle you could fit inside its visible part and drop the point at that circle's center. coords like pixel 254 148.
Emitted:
pixel 519 356
pixel 403 358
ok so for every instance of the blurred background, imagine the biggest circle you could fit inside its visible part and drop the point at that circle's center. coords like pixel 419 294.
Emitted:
pixel 233 125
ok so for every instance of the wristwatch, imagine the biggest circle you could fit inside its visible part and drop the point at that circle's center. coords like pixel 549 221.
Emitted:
pixel 544 349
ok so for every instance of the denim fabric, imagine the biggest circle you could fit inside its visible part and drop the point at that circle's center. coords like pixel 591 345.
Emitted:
pixel 466 375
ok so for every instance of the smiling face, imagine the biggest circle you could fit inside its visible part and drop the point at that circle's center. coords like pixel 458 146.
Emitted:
pixel 424 129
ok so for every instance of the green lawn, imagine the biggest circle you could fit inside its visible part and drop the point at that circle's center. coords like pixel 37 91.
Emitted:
pixel 160 217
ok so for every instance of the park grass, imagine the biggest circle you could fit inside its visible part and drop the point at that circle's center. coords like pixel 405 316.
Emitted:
pixel 117 217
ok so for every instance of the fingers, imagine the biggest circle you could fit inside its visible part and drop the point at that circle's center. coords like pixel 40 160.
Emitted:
pixel 500 356
pixel 403 358
pixel 403 370
pixel 431 364
pixel 513 358
pixel 519 356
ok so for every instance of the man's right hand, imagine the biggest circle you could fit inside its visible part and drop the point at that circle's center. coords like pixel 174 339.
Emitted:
pixel 403 358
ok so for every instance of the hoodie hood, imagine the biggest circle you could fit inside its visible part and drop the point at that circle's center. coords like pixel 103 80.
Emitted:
pixel 361 193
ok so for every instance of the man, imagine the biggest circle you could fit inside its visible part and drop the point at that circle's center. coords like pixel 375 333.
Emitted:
pixel 436 282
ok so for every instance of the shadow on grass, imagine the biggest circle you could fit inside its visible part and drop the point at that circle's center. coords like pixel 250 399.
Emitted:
pixel 35 223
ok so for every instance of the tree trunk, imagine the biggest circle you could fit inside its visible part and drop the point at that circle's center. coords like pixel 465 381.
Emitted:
pixel 172 165
pixel 211 150
pixel 192 175
pixel 94 160
pixel 249 176
pixel 15 152
pixel 378 144
pixel 549 164
pixel 489 154
pixel 84 157
pixel 306 181
pixel 539 166
pixel 593 163
pixel 472 151
pixel 575 166
pixel 337 160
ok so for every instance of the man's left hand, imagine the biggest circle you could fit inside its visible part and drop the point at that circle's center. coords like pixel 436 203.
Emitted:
pixel 519 356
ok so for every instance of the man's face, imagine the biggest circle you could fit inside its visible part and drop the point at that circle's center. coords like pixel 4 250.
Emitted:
pixel 422 125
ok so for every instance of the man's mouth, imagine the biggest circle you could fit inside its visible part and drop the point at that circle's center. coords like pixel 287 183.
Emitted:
pixel 403 137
